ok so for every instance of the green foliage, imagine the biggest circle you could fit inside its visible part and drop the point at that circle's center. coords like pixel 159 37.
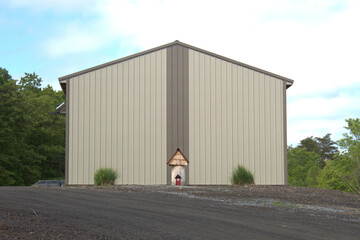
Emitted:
pixel 303 167
pixel 327 147
pixel 241 176
pixel 32 141
pixel 310 144
pixel 351 140
pixel 344 172
pixel 30 81
pixel 324 146
pixel 105 176
pixel 4 76
pixel 339 174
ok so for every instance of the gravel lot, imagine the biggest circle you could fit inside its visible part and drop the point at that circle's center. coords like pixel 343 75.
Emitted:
pixel 296 195
pixel 191 212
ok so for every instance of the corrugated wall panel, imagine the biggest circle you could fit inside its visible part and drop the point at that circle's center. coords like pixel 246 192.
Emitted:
pixel 235 127
pixel 108 118
pixel 141 121
pixel 97 122
pixel 86 129
pixel 125 126
pixel 120 117
pixel 202 120
pixel 213 115
pixel 229 121
pixel 136 120
pixel 158 164
pixel 251 126
pixel 114 117
pixel 207 123
pixel 245 113
pixel 218 111
pixel 130 114
pixel 262 133
pixel 147 111
pixel 116 120
pixel 163 115
pixel 152 117
pixel 92 114
pixel 235 117
pixel 256 120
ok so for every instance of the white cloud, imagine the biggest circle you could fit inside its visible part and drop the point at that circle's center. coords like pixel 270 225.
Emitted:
pixel 58 6
pixel 308 128
pixel 317 108
pixel 317 115
pixel 314 42
pixel 74 39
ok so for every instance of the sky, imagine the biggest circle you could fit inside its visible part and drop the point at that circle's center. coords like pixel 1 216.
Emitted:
pixel 315 43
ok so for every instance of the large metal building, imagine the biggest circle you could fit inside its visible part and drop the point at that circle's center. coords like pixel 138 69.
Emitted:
pixel 132 114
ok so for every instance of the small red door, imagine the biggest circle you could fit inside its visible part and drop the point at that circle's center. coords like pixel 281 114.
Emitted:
pixel 178 180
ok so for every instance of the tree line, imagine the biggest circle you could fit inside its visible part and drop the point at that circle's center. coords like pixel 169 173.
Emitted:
pixel 324 163
pixel 32 141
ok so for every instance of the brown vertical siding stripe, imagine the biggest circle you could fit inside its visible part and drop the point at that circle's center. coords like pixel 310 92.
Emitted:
pixel 177 102
pixel 67 132
pixel 285 135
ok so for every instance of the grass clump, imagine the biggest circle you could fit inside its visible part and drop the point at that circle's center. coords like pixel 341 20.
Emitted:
pixel 278 204
pixel 242 176
pixel 105 176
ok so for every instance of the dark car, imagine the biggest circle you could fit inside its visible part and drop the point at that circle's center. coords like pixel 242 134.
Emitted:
pixel 49 183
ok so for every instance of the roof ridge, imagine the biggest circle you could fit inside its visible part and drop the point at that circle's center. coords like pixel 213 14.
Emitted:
pixel 176 42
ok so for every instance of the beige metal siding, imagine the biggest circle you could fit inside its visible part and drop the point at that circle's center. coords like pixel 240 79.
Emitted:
pixel 235 117
pixel 116 119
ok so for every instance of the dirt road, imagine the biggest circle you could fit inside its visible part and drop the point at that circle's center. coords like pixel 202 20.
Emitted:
pixel 163 213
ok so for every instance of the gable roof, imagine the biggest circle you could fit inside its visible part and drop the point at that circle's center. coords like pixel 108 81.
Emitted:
pixel 178 159
pixel 287 80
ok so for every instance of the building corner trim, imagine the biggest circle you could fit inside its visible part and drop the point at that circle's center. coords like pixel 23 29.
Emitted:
pixel 285 135
pixel 67 131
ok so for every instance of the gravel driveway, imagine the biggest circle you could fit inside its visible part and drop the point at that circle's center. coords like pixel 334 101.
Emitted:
pixel 192 212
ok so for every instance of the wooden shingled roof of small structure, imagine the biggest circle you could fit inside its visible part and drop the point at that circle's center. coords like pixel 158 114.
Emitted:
pixel 178 159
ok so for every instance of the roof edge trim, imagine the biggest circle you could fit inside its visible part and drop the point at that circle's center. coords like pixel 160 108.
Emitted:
pixel 236 62
pixel 116 61
pixel 288 80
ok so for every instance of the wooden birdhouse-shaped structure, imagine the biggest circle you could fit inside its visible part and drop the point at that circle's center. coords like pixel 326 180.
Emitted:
pixel 178 162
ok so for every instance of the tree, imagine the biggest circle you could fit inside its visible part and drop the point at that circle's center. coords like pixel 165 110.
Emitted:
pixel 32 142
pixel 50 133
pixel 327 147
pixel 324 146
pixel 351 140
pixel 4 76
pixel 344 172
pixel 338 174
pixel 303 167
pixel 310 144
pixel 31 80
pixel 10 124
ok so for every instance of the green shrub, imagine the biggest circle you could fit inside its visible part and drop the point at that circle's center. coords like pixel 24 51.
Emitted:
pixel 105 176
pixel 241 176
